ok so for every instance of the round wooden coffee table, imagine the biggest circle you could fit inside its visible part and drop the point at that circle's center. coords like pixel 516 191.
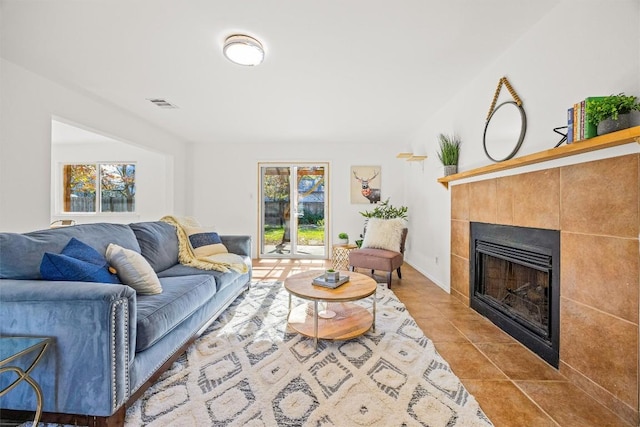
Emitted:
pixel 341 319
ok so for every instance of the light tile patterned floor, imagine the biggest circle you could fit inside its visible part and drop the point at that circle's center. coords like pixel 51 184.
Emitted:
pixel 514 387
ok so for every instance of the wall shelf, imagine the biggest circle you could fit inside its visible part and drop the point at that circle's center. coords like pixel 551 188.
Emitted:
pixel 609 140
pixel 410 157
pixel 415 158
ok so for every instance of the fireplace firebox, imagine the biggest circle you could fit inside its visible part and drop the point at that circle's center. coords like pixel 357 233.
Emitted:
pixel 515 283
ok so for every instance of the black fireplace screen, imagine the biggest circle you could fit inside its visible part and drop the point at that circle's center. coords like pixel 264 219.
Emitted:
pixel 520 291
pixel 515 283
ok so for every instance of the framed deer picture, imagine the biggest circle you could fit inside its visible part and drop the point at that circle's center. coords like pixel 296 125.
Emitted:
pixel 365 184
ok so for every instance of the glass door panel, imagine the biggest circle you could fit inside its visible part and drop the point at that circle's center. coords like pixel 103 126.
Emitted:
pixel 293 210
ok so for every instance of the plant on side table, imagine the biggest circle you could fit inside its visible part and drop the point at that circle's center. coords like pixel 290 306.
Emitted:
pixel 449 152
pixel 343 238
pixel 611 113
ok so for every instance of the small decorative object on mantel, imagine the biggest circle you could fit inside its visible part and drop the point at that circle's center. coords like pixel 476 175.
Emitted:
pixel 558 130
pixel 449 152
pixel 506 126
pixel 610 113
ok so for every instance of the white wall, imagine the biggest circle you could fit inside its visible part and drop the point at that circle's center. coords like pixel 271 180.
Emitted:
pixel 153 176
pixel 555 64
pixel 28 103
pixel 226 189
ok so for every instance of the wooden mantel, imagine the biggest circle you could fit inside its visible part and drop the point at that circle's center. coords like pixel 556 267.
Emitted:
pixel 609 140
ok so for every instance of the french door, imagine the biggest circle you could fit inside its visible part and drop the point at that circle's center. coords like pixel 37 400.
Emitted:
pixel 293 210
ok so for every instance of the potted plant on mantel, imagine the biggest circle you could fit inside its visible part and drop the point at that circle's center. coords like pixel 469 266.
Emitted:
pixel 449 152
pixel 611 113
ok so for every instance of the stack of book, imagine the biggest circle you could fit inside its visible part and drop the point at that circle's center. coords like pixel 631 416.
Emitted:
pixel 332 284
pixel 578 126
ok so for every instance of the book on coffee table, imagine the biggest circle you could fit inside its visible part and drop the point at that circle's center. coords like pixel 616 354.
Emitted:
pixel 320 281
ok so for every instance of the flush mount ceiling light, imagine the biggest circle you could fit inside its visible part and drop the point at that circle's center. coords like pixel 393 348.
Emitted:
pixel 243 50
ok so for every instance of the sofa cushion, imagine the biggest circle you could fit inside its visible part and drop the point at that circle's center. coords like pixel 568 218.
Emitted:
pixel 134 270
pixel 22 253
pixel 376 259
pixel 222 279
pixel 158 314
pixel 158 243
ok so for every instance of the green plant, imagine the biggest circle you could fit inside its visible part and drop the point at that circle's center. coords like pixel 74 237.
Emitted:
pixel 331 270
pixel 449 149
pixel 343 236
pixel 386 211
pixel 610 106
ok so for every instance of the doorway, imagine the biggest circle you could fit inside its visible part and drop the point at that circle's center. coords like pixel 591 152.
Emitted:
pixel 293 210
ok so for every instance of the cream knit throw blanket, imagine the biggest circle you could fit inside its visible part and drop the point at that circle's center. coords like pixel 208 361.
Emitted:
pixel 219 262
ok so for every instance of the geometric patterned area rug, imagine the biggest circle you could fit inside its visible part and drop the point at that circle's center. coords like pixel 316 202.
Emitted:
pixel 249 369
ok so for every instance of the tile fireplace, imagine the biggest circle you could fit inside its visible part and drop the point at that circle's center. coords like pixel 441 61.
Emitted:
pixel 596 207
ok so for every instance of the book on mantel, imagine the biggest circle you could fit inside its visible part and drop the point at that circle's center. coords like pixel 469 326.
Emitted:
pixel 579 126
pixel 321 281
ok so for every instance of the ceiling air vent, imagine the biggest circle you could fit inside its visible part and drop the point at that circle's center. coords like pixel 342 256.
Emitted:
pixel 162 103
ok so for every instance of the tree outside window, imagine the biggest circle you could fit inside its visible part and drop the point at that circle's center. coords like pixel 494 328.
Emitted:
pixel 116 187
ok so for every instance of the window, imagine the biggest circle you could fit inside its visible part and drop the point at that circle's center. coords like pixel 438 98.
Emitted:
pixel 114 182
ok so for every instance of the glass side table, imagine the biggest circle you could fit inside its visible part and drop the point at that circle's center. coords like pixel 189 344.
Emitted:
pixel 13 348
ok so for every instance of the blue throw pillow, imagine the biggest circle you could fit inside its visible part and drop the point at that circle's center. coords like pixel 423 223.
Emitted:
pixel 79 250
pixel 78 262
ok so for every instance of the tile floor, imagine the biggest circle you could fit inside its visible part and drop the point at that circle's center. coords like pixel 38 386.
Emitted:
pixel 514 387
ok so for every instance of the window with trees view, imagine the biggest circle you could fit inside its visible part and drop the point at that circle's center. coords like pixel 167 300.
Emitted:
pixel 99 187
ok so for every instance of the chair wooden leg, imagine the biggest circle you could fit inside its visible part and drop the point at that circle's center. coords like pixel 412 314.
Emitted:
pixel 399 273
pixel 389 279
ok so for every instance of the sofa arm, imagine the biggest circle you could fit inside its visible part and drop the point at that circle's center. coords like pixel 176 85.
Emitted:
pixel 86 369
pixel 240 245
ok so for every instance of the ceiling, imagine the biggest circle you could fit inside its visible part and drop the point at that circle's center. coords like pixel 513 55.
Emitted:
pixel 335 70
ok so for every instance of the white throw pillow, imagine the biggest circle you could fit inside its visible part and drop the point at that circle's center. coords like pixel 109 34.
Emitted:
pixel 133 270
pixel 384 234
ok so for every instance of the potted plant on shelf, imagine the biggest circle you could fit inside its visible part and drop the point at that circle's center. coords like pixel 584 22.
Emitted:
pixel 449 152
pixel 611 113
pixel 343 238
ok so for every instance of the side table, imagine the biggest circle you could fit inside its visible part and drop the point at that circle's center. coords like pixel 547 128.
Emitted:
pixel 340 256
pixel 12 348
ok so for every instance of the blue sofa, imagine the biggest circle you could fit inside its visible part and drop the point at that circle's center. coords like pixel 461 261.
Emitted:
pixel 110 344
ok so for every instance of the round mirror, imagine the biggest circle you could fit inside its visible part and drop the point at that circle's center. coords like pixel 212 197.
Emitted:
pixel 504 131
